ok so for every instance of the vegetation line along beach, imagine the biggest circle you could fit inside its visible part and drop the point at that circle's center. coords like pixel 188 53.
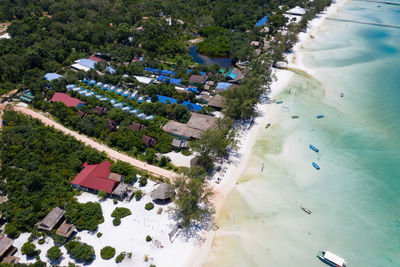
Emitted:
pixel 176 133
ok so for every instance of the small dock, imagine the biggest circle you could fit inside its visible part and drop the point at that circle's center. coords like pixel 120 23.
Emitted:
pixel 366 22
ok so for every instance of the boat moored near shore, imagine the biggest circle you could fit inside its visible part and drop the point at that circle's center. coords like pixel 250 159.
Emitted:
pixel 331 259
pixel 314 148
pixel 320 116
pixel 315 165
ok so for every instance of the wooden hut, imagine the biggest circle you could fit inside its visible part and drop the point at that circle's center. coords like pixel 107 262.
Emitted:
pixel 51 220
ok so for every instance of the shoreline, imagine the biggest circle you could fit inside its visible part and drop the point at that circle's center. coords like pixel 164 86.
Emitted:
pixel 239 162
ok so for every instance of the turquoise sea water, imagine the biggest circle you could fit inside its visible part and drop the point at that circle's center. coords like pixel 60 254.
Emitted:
pixel 355 197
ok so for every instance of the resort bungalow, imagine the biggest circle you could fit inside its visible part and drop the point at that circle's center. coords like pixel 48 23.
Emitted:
pixel 137 126
pixel 67 100
pixel 148 141
pixel 181 130
pixel 112 125
pixel 201 122
pixel 84 64
pixel 197 79
pixel 217 102
pixel 100 110
pixel 56 218
pixel 118 105
pixel 149 118
pixel 119 91
pixel 95 178
pixel 92 82
pixel 105 87
pixel 99 84
pixel 178 144
pixel 163 193
pixel 69 87
pixel 126 109
pixel 234 75
pixel 120 191
pixel 135 111
pixel 126 93
pixel 7 250
pixel 112 88
pixel 133 95
pixel 142 116
pixel 222 86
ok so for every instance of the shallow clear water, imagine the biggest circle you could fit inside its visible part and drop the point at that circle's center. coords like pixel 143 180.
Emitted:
pixel 355 197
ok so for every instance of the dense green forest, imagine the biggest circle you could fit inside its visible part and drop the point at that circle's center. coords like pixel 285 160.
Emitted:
pixel 38 163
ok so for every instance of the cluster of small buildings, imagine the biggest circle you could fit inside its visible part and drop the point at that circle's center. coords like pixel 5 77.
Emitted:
pixel 55 220
pixel 86 64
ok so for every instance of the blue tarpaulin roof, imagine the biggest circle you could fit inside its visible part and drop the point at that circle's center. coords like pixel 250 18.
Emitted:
pixel 52 76
pixel 168 73
pixel 162 78
pixel 191 106
pixel 262 21
pixel 188 70
pixel 152 70
pixel 87 63
pixel 166 100
pixel 175 81
pixel 223 86
pixel 193 90
pixel 202 73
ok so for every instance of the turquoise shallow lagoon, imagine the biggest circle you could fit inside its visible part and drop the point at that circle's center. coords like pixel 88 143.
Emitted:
pixel 355 197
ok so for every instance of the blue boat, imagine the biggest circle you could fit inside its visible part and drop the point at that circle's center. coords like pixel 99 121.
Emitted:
pixel 320 116
pixel 314 148
pixel 279 102
pixel 331 259
pixel 315 165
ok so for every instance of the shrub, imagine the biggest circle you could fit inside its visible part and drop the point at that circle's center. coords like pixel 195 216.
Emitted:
pixel 130 178
pixel 143 181
pixel 101 194
pixel 42 241
pixel 149 206
pixel 29 249
pixel 129 254
pixel 148 238
pixel 11 230
pixel 54 253
pixel 80 251
pixel 116 221
pixel 120 257
pixel 99 234
pixel 107 252
pixel 121 212
pixel 85 216
pixel 138 194
pixel 115 201
pixel 59 240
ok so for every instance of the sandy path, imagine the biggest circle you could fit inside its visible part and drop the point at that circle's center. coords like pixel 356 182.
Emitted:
pixel 87 141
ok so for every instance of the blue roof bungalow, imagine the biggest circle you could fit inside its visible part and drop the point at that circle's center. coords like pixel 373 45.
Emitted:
pixel 135 111
pixel 92 82
pixel 111 89
pixel 141 99
pixel 113 101
pixel 52 76
pixel 104 87
pixel 85 80
pixel 89 94
pixel 82 92
pixel 76 89
pixel 110 70
pixel 148 100
pixel 119 91
pixel 118 105
pixel 167 73
pixel 155 71
pixel 193 89
pixel 149 118
pixel 126 109
pixel 175 81
pixel 167 100
pixel 133 95
pixel 99 96
pixel 191 106
pixel 99 84
pixel 103 99
pixel 126 93
pixel 69 87
pixel 142 116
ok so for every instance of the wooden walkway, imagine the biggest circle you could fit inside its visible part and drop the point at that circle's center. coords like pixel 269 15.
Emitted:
pixel 381 2
pixel 366 22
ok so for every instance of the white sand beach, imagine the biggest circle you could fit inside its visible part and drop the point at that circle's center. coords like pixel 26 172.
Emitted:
pixel 129 236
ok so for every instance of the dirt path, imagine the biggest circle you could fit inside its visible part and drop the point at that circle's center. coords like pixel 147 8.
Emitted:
pixel 154 170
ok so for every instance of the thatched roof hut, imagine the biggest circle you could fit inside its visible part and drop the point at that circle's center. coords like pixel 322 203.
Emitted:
pixel 50 221
pixel 163 192
pixel 65 229
pixel 5 244
pixel 201 122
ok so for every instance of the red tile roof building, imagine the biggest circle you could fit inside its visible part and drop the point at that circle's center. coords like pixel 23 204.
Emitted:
pixel 148 141
pixel 95 177
pixel 67 100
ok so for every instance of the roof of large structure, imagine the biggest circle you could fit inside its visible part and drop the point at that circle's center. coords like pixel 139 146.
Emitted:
pixel 191 106
pixel 180 129
pixel 95 177
pixel 5 244
pixel 66 99
pixel 216 101
pixel 143 79
pixel 149 141
pixel 166 100
pixel 197 78
pixel 52 76
pixel 232 73
pixel 297 10
pixel 163 192
pixel 223 86
pixel 54 216
pixel 262 21
pixel 167 72
pixel 201 122
pixel 88 63
pixel 175 81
